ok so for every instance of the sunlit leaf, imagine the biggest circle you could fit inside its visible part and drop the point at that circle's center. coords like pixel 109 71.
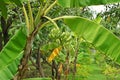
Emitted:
pixel 11 54
pixel 78 3
pixel 96 34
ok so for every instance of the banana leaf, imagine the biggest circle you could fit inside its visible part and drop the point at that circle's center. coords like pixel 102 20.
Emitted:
pixel 104 40
pixel 82 3
pixel 11 54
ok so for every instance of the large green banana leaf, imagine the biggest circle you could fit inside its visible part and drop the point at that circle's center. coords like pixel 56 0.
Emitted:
pixel 96 34
pixel 78 3
pixel 11 54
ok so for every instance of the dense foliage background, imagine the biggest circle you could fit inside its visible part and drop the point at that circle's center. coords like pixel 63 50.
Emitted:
pixel 58 52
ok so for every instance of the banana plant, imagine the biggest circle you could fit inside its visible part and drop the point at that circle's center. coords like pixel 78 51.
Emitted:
pixel 11 54
pixel 92 32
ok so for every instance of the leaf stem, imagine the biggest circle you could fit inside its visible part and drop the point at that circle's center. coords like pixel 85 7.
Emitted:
pixel 27 20
pixel 51 20
pixel 46 5
pixel 47 10
pixel 58 18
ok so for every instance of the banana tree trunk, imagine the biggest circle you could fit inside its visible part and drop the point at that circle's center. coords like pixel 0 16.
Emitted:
pixel 24 66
